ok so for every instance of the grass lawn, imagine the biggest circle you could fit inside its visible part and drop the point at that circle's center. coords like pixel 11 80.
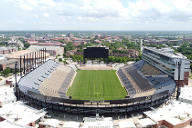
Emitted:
pixel 96 85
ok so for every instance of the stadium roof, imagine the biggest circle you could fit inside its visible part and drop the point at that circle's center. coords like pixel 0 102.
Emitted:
pixel 167 52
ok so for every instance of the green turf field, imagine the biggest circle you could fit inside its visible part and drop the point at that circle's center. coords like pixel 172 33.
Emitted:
pixel 96 85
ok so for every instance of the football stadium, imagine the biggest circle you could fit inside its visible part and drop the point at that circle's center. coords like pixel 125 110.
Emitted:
pixel 103 88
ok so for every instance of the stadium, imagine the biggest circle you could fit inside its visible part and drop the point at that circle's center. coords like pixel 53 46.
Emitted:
pixel 101 88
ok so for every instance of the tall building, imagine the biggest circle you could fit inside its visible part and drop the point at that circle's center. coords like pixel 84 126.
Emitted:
pixel 168 62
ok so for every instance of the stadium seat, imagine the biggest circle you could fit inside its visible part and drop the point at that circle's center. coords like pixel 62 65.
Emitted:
pixel 33 79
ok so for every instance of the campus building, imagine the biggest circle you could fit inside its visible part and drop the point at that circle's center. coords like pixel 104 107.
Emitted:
pixel 168 62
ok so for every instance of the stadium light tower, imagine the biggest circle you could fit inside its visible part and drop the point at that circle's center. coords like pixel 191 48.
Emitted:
pixel 16 84
pixel 20 66
pixel 178 83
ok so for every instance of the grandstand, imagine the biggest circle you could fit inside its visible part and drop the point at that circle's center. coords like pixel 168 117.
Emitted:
pixel 136 78
pixel 142 77
pixel 32 80
pixel 42 79
pixel 131 91
pixel 63 75
pixel 148 69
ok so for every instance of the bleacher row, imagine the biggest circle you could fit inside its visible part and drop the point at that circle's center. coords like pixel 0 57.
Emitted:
pixel 153 80
pixel 139 79
pixel 148 69
pixel 156 77
pixel 32 80
pixel 126 82
pixel 61 77
pixel 139 64
pixel 62 91
pixel 161 82
pixel 58 82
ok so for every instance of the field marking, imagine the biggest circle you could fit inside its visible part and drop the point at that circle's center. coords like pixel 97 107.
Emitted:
pixel 97 86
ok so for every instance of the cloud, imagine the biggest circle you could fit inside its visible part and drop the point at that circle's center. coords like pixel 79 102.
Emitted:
pixel 159 10
pixel 83 8
pixel 93 14
pixel 33 4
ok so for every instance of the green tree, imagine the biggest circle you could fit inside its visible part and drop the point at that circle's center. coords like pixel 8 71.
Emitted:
pixel 69 46
pixel 6 72
pixel 60 59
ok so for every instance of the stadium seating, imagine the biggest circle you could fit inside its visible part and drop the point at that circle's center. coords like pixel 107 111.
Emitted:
pixel 158 79
pixel 42 80
pixel 139 64
pixel 32 80
pixel 162 82
pixel 141 76
pixel 126 82
pixel 139 80
pixel 148 69
pixel 63 75
pixel 66 83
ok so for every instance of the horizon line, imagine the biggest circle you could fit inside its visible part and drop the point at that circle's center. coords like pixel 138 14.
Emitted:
pixel 95 30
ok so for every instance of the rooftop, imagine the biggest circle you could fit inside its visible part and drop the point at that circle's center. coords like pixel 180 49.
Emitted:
pixel 175 112
pixel 17 54
pixel 21 113
pixel 7 48
pixel 99 46
pixel 6 95
pixel 8 124
pixel 167 52
pixel 98 122
pixel 37 47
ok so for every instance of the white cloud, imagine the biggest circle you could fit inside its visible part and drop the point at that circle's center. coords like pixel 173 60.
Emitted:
pixel 46 14
pixel 94 14
pixel 33 4
pixel 161 9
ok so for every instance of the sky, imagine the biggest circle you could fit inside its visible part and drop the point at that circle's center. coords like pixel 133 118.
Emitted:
pixel 115 15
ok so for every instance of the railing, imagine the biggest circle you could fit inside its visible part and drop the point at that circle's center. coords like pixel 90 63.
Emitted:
pixel 49 99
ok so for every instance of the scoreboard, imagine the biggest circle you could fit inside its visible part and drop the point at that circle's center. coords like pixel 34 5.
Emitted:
pixel 96 52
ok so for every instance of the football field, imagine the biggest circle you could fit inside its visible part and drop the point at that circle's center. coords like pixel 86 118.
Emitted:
pixel 96 85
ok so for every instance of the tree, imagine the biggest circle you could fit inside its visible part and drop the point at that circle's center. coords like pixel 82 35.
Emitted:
pixel 69 46
pixel 60 59
pixel 6 72
pixel 186 49
pixel 26 45
pixel 62 41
